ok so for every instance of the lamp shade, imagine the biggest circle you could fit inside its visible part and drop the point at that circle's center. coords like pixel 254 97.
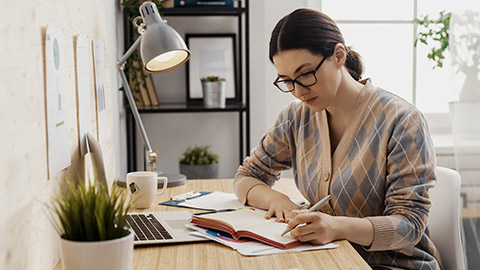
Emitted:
pixel 162 48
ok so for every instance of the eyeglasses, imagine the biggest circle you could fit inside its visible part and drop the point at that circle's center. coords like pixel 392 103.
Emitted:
pixel 305 80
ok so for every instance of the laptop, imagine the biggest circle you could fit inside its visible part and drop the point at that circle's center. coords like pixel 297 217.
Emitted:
pixel 159 227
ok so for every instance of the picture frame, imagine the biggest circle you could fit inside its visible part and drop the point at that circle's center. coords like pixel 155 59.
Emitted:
pixel 212 54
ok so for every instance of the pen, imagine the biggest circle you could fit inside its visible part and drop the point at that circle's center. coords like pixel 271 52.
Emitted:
pixel 184 196
pixel 314 208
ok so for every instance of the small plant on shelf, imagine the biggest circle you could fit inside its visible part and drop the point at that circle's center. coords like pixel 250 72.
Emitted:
pixel 199 155
pixel 199 162
pixel 212 79
pixel 213 89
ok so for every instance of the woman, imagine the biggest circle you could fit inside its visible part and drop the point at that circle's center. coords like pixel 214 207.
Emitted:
pixel 367 148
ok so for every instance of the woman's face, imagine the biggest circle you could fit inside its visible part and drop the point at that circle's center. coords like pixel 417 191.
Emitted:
pixel 291 64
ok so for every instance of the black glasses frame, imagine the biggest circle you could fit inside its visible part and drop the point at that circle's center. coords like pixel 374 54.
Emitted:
pixel 295 81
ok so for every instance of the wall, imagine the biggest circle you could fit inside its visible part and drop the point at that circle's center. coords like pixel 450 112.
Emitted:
pixel 28 240
pixel 266 101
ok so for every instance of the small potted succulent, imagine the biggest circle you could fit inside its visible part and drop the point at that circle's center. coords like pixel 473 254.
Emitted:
pixel 213 88
pixel 91 222
pixel 199 162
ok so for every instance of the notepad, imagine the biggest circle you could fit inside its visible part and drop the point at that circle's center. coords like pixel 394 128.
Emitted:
pixel 248 222
pixel 215 200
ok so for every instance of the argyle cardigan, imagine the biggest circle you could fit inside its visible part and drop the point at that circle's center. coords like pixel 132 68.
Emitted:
pixel 381 170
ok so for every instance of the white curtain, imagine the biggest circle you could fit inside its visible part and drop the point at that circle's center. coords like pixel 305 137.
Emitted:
pixel 465 111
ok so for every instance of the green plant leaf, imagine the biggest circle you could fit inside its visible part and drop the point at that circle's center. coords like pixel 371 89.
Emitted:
pixel 436 34
pixel 90 213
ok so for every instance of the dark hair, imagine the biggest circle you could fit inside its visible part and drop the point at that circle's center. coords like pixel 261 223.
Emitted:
pixel 315 31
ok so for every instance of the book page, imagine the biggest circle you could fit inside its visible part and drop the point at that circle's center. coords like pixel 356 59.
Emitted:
pixel 273 231
pixel 252 220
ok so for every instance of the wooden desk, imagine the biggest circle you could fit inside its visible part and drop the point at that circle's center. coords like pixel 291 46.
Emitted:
pixel 212 255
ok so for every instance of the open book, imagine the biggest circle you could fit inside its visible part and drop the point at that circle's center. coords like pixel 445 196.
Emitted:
pixel 248 222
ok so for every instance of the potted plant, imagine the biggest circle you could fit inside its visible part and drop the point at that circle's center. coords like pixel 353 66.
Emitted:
pixel 199 162
pixel 91 222
pixel 213 88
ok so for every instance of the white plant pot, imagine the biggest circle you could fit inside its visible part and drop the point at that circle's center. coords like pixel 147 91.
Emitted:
pixel 111 254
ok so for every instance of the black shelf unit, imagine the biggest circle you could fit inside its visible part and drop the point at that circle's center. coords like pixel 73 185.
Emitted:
pixel 242 108
pixel 218 11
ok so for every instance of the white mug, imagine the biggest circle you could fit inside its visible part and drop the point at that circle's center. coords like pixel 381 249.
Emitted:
pixel 142 187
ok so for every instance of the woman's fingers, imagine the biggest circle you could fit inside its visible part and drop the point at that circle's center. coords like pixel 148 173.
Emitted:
pixel 270 213
pixel 293 214
pixel 280 215
pixel 307 237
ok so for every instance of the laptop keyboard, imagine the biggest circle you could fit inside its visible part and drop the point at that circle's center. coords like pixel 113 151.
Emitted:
pixel 147 227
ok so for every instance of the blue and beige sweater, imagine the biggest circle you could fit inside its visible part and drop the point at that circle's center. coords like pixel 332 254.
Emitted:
pixel 381 170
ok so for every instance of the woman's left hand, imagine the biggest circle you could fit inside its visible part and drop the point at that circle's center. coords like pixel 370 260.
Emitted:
pixel 317 228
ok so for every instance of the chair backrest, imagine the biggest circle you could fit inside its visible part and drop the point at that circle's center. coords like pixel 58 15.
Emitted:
pixel 444 219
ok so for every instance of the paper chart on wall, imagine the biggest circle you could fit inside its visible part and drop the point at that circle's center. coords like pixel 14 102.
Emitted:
pixel 57 129
pixel 84 93
pixel 99 63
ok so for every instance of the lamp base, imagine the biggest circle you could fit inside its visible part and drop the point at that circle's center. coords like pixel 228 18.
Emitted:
pixel 173 180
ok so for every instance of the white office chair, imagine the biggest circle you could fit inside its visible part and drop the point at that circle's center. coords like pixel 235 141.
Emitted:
pixel 444 219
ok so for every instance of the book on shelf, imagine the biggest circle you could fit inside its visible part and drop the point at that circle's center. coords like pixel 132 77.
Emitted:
pixel 168 3
pixel 152 94
pixel 202 3
pixel 250 223
pixel 140 83
pixel 135 90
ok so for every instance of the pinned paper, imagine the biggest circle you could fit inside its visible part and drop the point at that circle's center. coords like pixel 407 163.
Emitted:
pixel 99 64
pixel 84 91
pixel 57 128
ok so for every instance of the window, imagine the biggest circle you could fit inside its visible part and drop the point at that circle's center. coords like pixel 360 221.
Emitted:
pixel 383 32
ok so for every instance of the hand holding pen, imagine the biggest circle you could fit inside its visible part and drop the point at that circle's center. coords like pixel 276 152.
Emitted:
pixel 314 208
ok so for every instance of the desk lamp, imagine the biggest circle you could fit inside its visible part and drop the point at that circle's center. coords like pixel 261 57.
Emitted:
pixel 162 49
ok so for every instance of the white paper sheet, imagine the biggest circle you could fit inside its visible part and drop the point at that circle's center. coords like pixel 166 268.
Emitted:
pixel 84 93
pixel 99 62
pixel 216 200
pixel 58 148
pixel 249 247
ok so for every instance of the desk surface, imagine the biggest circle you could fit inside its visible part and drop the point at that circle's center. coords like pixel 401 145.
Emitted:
pixel 212 255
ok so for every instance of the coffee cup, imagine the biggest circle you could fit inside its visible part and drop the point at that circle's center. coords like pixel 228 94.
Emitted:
pixel 142 187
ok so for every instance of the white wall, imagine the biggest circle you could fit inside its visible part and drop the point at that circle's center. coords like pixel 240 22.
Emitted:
pixel 28 240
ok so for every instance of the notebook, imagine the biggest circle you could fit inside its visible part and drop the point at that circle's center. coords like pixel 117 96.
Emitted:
pixel 149 227
pixel 248 222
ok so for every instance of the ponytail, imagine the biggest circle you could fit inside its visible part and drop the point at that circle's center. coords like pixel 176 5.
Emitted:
pixel 354 64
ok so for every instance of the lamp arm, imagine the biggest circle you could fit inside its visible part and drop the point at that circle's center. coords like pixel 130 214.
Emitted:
pixel 134 109
pixel 124 58
pixel 151 155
